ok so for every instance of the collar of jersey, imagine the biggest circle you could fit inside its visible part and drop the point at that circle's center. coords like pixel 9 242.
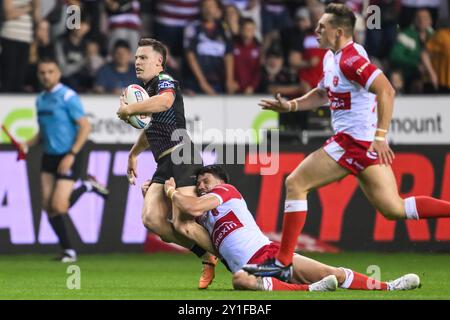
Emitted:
pixel 55 88
pixel 344 47
pixel 153 79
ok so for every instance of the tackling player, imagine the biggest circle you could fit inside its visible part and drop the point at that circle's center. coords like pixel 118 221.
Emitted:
pixel 167 109
pixel 222 210
pixel 361 100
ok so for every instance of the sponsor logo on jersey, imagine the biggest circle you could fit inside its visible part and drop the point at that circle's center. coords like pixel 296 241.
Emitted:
pixel 361 69
pixel 165 85
pixel 372 155
pixel 224 227
pixel 356 164
pixel 350 61
pixel 335 81
pixel 215 212
pixel 165 77
pixel 339 100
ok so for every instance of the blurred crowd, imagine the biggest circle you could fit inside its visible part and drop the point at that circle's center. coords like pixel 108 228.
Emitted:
pixel 218 46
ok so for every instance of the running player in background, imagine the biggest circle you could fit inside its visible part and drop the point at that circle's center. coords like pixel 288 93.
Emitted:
pixel 63 131
pixel 167 109
pixel 222 210
pixel 361 101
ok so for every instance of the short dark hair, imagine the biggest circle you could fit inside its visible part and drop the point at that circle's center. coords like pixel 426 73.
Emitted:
pixel 215 170
pixel 121 44
pixel 243 21
pixel 48 60
pixel 156 46
pixel 343 16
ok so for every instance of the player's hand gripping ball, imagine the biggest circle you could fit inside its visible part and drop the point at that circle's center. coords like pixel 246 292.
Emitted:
pixel 132 94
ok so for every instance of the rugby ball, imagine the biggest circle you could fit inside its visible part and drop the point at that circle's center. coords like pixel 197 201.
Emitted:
pixel 132 94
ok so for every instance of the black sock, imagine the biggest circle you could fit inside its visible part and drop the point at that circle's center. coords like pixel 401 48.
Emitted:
pixel 76 194
pixel 198 251
pixel 59 227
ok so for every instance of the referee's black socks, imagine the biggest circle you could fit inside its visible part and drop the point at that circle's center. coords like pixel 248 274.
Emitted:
pixel 58 225
pixel 76 194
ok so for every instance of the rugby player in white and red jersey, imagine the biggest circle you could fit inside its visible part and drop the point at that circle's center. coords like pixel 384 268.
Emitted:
pixel 222 210
pixel 361 100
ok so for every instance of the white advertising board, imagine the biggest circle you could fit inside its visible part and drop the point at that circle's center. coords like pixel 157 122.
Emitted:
pixel 229 119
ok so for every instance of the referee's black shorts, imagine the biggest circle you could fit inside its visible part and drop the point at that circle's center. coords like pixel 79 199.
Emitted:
pixel 183 173
pixel 51 162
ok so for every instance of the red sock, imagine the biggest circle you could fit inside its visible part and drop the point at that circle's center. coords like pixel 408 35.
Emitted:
pixel 278 285
pixel 424 207
pixel 358 281
pixel 293 221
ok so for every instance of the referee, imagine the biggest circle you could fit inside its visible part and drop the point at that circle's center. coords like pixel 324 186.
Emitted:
pixel 167 108
pixel 63 131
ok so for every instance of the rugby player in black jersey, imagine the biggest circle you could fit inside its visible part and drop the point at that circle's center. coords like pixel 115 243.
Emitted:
pixel 167 109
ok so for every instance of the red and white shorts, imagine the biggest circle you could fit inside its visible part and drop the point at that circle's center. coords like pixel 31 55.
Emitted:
pixel 268 251
pixel 350 153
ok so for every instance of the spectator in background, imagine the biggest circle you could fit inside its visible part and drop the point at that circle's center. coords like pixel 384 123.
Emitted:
pixel 253 10
pixel 410 56
pixel 275 16
pixel 16 37
pixel 41 48
pixel 171 19
pixel 439 49
pixel 209 53
pixel 124 22
pixel 70 53
pixel 57 17
pixel 396 79
pixel 232 20
pixel 239 4
pixel 277 78
pixel 247 58
pixel 379 42
pixel 114 77
pixel 304 53
pixel 409 8
pixel 94 61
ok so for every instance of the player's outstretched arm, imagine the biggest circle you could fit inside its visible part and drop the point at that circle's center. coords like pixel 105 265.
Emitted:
pixel 194 206
pixel 313 99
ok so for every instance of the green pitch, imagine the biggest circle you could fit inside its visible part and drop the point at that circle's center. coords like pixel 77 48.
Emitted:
pixel 166 276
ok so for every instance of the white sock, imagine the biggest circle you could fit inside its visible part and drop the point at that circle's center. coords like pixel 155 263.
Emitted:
pixel 267 284
pixel 88 186
pixel 348 278
pixel 70 252
pixel 411 209
pixel 295 205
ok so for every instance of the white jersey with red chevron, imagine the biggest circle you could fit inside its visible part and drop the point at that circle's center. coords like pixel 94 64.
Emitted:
pixel 347 76
pixel 233 230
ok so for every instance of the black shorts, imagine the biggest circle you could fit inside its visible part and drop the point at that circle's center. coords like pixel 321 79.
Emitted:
pixel 183 173
pixel 51 162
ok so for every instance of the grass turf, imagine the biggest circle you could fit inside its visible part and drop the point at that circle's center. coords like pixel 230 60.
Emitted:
pixel 170 276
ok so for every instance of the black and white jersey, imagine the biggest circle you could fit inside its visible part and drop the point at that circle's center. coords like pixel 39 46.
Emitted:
pixel 163 124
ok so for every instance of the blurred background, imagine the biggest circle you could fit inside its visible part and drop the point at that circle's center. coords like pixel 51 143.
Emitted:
pixel 245 50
